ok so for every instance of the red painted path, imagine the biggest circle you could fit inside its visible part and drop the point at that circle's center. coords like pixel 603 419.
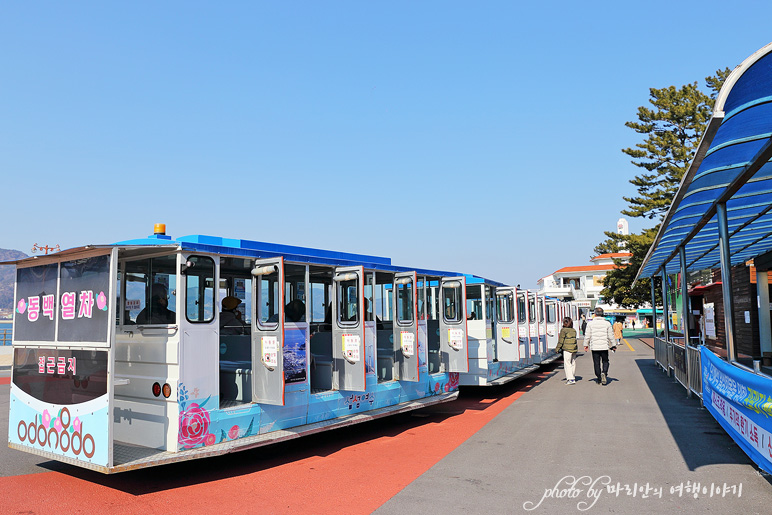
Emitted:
pixel 353 470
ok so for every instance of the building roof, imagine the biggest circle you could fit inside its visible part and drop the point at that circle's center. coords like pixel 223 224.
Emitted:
pixel 613 255
pixel 586 268
pixel 731 167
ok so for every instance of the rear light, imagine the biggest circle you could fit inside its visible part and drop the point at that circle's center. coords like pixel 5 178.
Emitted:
pixel 167 390
pixel 156 389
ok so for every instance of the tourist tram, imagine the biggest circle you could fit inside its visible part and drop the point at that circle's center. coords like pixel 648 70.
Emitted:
pixel 155 350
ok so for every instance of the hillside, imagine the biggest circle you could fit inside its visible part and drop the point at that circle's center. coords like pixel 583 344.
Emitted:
pixel 7 276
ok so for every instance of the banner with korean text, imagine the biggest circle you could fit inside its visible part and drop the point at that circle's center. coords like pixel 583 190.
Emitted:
pixel 742 403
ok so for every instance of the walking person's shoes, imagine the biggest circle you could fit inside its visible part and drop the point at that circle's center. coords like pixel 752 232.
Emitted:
pixel 571 381
pixel 598 381
pixel 603 379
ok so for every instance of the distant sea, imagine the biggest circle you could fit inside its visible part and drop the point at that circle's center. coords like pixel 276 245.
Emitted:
pixel 5 325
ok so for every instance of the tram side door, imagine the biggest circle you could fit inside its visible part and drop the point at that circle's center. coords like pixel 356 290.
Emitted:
pixel 268 332
pixel 552 314
pixel 348 329
pixel 541 303
pixel 533 328
pixel 405 326
pixel 454 348
pixel 506 325
pixel 522 327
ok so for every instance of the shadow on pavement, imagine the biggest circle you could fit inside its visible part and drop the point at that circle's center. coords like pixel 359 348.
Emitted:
pixel 176 475
pixel 700 439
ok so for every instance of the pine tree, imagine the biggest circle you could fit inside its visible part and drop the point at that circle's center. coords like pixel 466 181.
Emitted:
pixel 673 127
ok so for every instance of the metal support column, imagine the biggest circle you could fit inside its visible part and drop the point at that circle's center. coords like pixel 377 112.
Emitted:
pixel 765 328
pixel 685 313
pixel 653 306
pixel 726 281
pixel 665 313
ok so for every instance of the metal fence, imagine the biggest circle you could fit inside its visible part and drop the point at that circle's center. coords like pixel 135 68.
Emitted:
pixel 6 336
pixel 671 356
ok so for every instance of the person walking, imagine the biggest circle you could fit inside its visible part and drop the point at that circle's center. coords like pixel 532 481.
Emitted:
pixel 599 338
pixel 584 325
pixel 567 345
pixel 618 334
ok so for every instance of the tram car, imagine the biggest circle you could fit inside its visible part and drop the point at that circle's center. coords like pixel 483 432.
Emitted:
pixel 501 347
pixel 152 351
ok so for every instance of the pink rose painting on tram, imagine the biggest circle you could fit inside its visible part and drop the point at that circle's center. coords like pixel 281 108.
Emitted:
pixel 194 427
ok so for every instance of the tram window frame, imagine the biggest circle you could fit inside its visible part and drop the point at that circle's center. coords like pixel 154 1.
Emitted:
pixel 344 302
pixel 405 304
pixel 474 302
pixel 156 270
pixel 206 284
pixel 274 296
pixel 508 300
pixel 294 290
pixel 540 310
pixel 552 314
pixel 457 317
pixel 532 310
pixel 522 310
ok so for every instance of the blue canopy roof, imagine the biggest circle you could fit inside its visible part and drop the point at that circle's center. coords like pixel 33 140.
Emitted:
pixel 732 166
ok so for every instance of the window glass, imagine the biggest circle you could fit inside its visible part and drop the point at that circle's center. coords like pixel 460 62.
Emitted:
pixel 294 293
pixel 521 312
pixel 369 298
pixel 474 309
pixel 551 315
pixel 268 299
pixel 151 290
pixel 199 291
pixel 422 299
pixel 451 301
pixel 348 312
pixel 404 300
pixel 490 303
pixel 541 310
pixel 505 308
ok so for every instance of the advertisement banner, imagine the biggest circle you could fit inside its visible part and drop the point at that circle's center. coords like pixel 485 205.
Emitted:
pixel 742 403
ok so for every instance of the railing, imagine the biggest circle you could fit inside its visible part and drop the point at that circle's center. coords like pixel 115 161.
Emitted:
pixel 6 336
pixel 695 370
pixel 671 357
pixel 660 353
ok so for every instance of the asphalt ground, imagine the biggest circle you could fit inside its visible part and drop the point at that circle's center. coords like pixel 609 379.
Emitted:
pixel 509 449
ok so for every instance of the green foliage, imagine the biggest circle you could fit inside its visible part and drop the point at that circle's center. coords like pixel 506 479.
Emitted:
pixel 672 128
pixel 618 287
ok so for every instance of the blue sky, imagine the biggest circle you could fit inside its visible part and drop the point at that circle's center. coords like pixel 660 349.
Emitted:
pixel 481 137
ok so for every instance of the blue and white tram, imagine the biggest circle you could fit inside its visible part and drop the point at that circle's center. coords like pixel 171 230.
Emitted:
pixel 494 357
pixel 155 350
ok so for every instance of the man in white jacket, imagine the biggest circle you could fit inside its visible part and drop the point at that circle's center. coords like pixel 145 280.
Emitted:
pixel 599 338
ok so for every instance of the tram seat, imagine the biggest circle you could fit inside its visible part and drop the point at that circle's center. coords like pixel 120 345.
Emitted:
pixel 236 368
pixel 385 351
pixel 321 361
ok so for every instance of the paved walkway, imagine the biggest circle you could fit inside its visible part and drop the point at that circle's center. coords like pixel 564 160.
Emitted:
pixel 496 450
pixel 639 432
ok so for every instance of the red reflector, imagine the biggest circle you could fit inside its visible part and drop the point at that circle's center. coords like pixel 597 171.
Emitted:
pixel 156 389
pixel 167 390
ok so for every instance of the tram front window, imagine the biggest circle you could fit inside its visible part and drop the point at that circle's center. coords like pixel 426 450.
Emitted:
pixel 151 290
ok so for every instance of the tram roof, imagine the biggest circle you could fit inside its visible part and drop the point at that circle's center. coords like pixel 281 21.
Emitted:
pixel 731 166
pixel 254 249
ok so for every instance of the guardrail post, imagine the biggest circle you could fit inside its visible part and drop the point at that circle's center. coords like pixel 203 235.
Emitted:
pixel 726 281
pixel 685 314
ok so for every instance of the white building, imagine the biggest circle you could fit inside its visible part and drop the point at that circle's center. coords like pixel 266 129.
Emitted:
pixel 581 283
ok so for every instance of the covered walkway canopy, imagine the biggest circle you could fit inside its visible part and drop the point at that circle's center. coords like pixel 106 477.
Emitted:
pixel 722 212
pixel 731 168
